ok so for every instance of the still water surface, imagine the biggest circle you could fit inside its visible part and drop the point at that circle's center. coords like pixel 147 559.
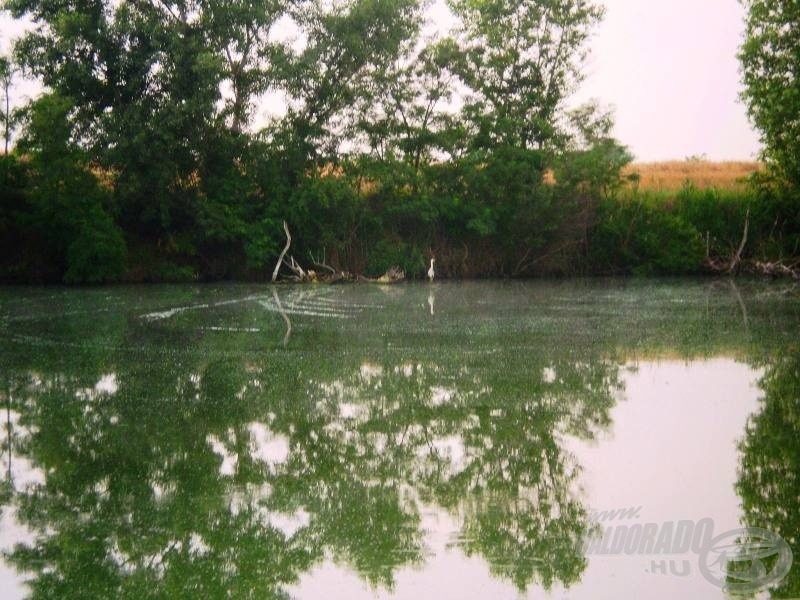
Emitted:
pixel 408 441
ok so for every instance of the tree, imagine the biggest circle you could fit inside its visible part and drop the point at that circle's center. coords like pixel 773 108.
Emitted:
pixel 160 93
pixel 163 92
pixel 6 77
pixel 521 60
pixel 68 205
pixel 392 146
pixel 402 114
pixel 770 58
pixel 347 45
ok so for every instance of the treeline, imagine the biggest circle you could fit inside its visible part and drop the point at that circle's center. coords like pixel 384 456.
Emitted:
pixel 145 159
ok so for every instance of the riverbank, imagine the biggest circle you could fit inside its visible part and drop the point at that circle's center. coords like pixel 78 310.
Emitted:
pixel 345 229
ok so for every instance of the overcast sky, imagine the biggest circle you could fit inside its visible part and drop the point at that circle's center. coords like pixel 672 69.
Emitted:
pixel 669 69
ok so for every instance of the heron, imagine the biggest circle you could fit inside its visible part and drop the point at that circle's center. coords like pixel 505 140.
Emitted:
pixel 431 273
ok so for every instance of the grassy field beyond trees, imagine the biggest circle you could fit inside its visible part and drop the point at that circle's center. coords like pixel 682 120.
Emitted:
pixel 673 176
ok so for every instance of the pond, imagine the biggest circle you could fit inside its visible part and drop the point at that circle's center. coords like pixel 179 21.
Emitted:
pixel 551 439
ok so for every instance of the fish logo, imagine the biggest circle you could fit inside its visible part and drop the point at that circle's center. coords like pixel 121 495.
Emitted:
pixel 746 560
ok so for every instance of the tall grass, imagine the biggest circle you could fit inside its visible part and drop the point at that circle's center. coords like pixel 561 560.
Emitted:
pixel 672 176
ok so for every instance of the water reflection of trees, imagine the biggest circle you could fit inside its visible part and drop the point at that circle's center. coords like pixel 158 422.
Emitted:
pixel 161 478
pixel 769 472
pixel 132 502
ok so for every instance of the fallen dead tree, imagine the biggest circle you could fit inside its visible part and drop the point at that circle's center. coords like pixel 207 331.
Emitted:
pixel 776 269
pixel 728 266
pixel 757 267
pixel 283 253
pixel 736 264
pixel 326 273
pixel 392 275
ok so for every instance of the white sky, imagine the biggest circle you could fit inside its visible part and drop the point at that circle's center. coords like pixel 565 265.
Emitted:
pixel 667 67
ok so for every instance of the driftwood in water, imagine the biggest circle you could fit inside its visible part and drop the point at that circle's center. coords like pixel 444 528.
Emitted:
pixel 298 273
pixel 728 266
pixel 736 263
pixel 331 275
pixel 777 269
pixel 392 275
pixel 758 267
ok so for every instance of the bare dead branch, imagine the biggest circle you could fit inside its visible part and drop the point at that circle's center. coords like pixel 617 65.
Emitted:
pixel 285 250
pixel 321 263
pixel 738 256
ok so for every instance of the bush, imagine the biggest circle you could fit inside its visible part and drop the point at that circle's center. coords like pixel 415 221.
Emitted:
pixel 324 214
pixel 719 215
pixel 632 236
pixel 97 254
pixel 389 253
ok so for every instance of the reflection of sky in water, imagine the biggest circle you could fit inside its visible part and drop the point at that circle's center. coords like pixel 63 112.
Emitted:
pixel 434 424
pixel 656 456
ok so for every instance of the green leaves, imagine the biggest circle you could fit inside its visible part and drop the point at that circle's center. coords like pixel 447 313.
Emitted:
pixel 341 66
pixel 67 208
pixel 389 139
pixel 521 60
pixel 770 58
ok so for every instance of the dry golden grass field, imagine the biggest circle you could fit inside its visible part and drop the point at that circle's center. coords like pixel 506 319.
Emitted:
pixel 672 176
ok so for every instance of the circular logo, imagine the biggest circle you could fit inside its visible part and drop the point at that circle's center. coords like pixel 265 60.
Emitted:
pixel 747 560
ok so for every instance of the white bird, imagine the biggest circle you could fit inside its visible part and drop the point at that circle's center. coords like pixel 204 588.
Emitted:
pixel 431 273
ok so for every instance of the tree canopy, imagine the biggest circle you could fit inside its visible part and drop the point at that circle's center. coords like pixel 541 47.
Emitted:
pixel 174 138
pixel 385 143
pixel 770 58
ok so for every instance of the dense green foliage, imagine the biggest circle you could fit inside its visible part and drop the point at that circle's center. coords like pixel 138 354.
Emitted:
pixel 770 58
pixel 656 233
pixel 145 160
pixel 770 458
